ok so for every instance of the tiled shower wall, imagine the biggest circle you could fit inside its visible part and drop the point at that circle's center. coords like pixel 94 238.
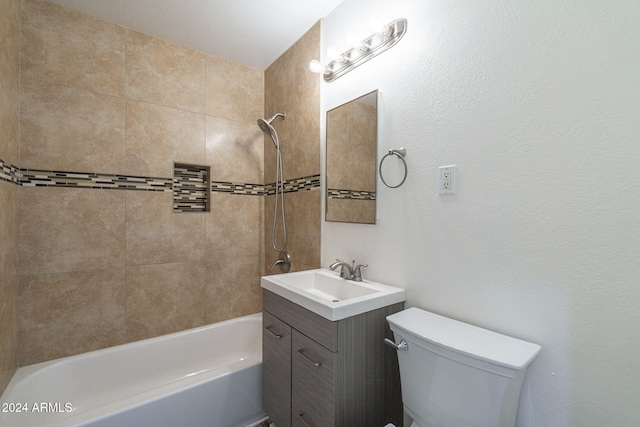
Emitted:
pixel 9 104
pixel 100 267
pixel 291 88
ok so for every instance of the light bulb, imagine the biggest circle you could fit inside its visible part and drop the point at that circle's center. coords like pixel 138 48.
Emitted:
pixel 316 66
pixel 333 53
pixel 353 41
pixel 376 26
pixel 379 28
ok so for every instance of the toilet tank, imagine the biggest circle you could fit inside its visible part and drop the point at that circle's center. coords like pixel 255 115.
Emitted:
pixel 455 374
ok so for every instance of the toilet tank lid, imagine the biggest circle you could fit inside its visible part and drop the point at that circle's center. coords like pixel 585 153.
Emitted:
pixel 464 338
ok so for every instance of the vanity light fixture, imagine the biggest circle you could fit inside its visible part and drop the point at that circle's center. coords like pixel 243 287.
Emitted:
pixel 381 40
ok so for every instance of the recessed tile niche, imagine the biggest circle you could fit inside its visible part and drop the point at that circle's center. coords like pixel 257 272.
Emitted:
pixel 190 188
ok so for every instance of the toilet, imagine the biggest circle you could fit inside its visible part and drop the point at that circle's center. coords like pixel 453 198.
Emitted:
pixel 454 374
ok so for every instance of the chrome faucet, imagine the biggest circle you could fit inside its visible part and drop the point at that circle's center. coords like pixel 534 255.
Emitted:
pixel 349 272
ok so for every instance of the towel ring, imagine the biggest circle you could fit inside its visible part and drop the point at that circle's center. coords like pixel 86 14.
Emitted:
pixel 400 153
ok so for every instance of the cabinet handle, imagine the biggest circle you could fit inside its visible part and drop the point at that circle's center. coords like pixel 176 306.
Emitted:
pixel 301 415
pixel 301 353
pixel 276 336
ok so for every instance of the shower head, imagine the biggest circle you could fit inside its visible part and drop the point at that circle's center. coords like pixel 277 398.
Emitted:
pixel 265 126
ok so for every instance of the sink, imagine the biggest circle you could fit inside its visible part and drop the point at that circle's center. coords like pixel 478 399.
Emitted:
pixel 325 293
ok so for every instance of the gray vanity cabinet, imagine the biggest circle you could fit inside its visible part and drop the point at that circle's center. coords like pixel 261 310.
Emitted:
pixel 276 369
pixel 313 373
pixel 319 373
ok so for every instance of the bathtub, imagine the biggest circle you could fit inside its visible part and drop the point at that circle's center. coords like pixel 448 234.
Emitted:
pixel 207 376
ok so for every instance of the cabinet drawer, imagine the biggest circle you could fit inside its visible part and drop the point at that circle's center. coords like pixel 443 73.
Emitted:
pixel 316 327
pixel 276 370
pixel 313 383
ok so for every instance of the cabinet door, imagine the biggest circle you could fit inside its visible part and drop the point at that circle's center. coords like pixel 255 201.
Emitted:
pixel 276 370
pixel 313 394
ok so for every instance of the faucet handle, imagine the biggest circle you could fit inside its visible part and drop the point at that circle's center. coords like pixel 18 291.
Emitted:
pixel 357 274
pixel 284 260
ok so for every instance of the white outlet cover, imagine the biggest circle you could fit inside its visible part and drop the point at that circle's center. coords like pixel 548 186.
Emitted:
pixel 447 185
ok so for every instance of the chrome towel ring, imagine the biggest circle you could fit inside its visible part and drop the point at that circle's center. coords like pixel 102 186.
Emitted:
pixel 401 152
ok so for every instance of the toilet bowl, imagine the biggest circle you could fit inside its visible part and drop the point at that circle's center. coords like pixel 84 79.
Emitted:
pixel 453 374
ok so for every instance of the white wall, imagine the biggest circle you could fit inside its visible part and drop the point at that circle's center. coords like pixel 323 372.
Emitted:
pixel 538 105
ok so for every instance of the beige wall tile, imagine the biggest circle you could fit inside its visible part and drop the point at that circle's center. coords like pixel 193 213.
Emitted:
pixel 8 231
pixel 269 156
pixel 63 128
pixel 159 136
pixel 164 73
pixel 69 229
pixel 267 224
pixel 286 134
pixel 70 313
pixel 72 239
pixel 279 84
pixel 232 288
pixel 305 234
pixel 234 150
pixel 307 48
pixel 9 123
pixel 270 255
pixel 290 87
pixel 8 329
pixel 8 282
pixel 164 298
pixel 307 138
pixel 9 79
pixel 10 18
pixel 233 225
pixel 67 47
pixel 156 234
pixel 298 266
pixel 234 91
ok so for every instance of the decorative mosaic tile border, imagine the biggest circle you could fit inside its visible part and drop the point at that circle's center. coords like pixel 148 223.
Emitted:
pixel 9 173
pixel 190 188
pixel 44 178
pixel 52 178
pixel 293 185
pixel 335 193
pixel 237 188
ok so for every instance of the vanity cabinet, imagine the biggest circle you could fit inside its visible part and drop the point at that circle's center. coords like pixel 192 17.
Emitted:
pixel 322 373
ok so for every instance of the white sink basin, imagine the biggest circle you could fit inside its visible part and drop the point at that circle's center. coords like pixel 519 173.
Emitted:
pixel 325 293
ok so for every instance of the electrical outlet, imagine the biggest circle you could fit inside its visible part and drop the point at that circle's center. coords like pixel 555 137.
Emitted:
pixel 447 179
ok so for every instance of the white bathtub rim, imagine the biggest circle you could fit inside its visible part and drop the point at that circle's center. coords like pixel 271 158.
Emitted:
pixel 132 402
pixel 80 415
pixel 25 371
pixel 164 391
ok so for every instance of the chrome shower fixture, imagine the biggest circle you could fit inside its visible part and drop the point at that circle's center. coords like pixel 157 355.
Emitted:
pixel 266 127
pixel 381 40
pixel 284 259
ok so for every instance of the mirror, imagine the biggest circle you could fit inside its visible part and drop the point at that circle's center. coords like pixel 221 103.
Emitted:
pixel 352 134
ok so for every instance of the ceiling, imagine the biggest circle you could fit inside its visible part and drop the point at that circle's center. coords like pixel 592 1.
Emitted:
pixel 250 32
